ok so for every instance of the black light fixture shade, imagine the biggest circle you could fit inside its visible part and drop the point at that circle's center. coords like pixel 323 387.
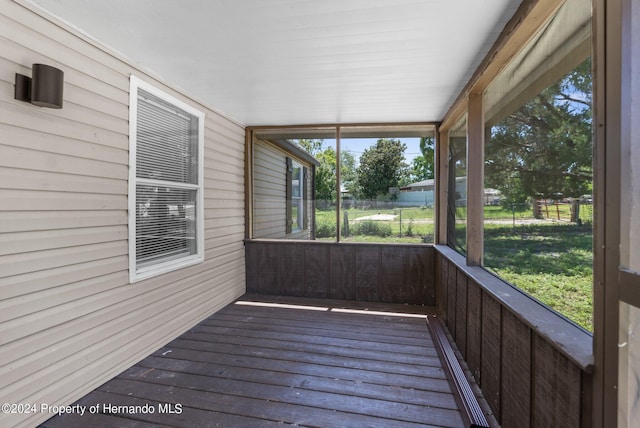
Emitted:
pixel 44 89
pixel 46 86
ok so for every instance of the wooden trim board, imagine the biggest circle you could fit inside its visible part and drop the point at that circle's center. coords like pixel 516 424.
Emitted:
pixel 469 406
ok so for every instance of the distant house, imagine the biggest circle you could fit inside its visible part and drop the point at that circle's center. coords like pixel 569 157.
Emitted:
pixel 420 186
pixel 414 193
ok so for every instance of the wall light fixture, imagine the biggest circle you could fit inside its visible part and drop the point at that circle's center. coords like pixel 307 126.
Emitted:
pixel 44 89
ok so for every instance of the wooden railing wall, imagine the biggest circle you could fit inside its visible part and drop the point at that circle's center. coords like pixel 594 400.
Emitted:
pixel 532 365
pixel 391 273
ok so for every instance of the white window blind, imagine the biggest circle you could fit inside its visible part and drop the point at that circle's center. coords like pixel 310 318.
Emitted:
pixel 165 189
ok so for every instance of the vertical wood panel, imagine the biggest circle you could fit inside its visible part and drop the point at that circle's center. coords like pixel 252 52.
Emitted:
pixel 474 327
pixel 291 269
pixel 442 184
pixel 394 274
pixel 443 296
pixel 367 273
pixel 556 388
pixel 417 291
pixel 426 277
pixel 267 268
pixel 587 401
pixel 491 352
pixel 342 265
pixel 251 257
pixel 451 298
pixel 461 313
pixel 516 372
pixel 316 271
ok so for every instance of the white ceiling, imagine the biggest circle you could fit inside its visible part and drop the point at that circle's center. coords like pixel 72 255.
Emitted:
pixel 276 62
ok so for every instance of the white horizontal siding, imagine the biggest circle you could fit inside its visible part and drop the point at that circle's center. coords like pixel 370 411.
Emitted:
pixel 269 191
pixel 69 319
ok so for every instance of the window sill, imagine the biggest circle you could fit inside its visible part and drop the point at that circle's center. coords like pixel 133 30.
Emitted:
pixel 570 339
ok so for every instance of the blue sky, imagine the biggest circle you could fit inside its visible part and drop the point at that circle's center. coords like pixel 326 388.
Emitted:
pixel 358 145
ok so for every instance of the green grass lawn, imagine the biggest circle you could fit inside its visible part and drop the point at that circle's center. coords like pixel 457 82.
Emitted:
pixel 551 261
pixel 409 225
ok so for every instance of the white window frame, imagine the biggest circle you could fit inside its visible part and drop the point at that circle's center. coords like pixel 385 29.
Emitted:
pixel 140 273
pixel 298 202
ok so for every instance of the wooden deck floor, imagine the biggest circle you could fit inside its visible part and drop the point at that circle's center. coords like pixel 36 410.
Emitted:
pixel 261 366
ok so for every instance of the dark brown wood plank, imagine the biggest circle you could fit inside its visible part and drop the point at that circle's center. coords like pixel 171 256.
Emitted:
pixel 267 269
pixel 260 408
pixel 425 271
pixel 251 258
pixel 316 272
pixel 556 387
pixel 318 344
pixel 474 328
pixel 180 382
pixel 431 379
pixel 394 284
pixel 371 345
pixel 342 267
pixel 452 309
pixel 303 353
pixel 516 372
pixel 275 325
pixel 461 313
pixel 415 267
pixel 443 287
pixel 367 273
pixel 291 269
pixel 358 386
pixel 490 376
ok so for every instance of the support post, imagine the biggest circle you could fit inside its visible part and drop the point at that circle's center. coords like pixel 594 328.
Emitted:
pixel 441 195
pixel 475 179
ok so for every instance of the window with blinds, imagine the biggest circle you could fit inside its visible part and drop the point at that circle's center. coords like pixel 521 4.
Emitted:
pixel 165 183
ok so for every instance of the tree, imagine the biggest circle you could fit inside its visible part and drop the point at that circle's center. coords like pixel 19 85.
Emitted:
pixel 325 181
pixel 326 176
pixel 423 165
pixel 313 147
pixel 325 173
pixel 381 166
pixel 544 148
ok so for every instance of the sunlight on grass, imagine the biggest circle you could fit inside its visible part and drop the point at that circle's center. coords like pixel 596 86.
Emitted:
pixel 552 262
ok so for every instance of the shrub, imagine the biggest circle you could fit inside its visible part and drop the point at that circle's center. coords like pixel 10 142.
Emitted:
pixel 410 228
pixel 325 230
pixel 371 228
